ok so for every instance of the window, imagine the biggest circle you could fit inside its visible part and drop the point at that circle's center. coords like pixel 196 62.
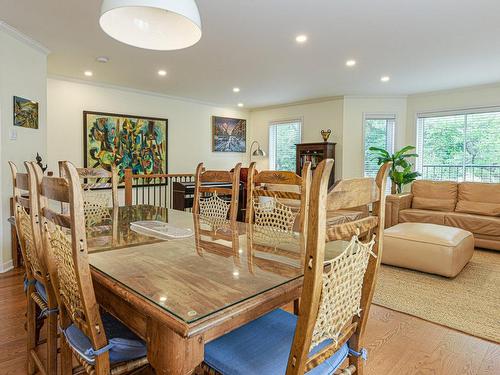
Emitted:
pixel 459 145
pixel 283 135
pixel 378 131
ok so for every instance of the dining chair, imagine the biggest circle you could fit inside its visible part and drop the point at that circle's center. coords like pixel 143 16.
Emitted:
pixel 100 192
pixel 38 286
pixel 336 294
pixel 207 193
pixel 278 199
pixel 99 341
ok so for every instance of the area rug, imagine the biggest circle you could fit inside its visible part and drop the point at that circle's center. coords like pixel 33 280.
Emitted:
pixel 469 303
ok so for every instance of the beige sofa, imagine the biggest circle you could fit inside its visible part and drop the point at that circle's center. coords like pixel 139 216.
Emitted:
pixel 472 206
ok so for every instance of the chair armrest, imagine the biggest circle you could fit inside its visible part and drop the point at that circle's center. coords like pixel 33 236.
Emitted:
pixel 393 204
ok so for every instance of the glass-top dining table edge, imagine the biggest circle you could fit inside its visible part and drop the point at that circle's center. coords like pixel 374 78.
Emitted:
pixel 162 213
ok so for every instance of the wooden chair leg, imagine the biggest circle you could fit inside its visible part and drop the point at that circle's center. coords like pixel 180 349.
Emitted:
pixel 52 344
pixel 66 358
pixel 38 323
pixel 31 334
pixel 357 362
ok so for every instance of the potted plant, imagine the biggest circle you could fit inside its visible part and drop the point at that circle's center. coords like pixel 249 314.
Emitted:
pixel 401 172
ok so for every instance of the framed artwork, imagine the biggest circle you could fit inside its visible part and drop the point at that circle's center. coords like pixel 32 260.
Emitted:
pixel 25 113
pixel 127 141
pixel 229 134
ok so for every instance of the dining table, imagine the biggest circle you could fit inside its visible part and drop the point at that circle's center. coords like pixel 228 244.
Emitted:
pixel 180 293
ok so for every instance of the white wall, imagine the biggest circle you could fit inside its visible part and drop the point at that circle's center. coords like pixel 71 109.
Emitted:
pixel 464 98
pixel 353 144
pixel 23 72
pixel 316 116
pixel 189 123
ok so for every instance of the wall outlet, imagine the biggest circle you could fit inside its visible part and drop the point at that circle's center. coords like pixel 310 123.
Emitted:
pixel 13 134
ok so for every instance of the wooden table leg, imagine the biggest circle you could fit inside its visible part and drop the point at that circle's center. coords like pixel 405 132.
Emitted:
pixel 171 354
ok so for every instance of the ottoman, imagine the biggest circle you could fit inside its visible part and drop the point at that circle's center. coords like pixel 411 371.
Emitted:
pixel 428 248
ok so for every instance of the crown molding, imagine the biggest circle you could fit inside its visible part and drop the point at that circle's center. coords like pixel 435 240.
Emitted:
pixel 300 102
pixel 15 33
pixel 111 86
pixel 491 85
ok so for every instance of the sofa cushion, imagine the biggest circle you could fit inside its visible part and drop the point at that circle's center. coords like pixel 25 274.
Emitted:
pixel 479 224
pixel 479 198
pixel 434 195
pixel 412 215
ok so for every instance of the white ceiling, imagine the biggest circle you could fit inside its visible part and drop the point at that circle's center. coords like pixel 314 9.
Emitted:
pixel 423 45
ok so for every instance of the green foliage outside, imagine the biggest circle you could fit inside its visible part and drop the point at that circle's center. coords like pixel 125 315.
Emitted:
pixel 286 138
pixel 462 147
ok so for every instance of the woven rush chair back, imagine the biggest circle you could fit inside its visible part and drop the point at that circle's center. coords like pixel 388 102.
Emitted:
pixel 100 192
pixel 337 294
pixel 27 225
pixel 64 239
pixel 278 199
pixel 274 251
pixel 216 236
pixel 207 199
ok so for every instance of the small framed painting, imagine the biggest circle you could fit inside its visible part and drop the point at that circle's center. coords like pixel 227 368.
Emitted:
pixel 229 134
pixel 25 113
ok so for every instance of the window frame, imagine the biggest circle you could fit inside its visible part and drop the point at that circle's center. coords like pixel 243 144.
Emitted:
pixel 377 116
pixel 461 111
pixel 290 120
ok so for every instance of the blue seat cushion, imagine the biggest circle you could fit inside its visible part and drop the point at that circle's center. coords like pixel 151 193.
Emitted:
pixel 38 287
pixel 262 347
pixel 124 344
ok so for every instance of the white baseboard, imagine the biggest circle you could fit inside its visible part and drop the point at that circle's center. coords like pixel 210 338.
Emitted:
pixel 7 266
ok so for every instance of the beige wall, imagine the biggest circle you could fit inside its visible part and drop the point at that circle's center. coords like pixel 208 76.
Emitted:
pixel 23 72
pixel 315 116
pixel 189 123
pixel 464 98
pixel 355 108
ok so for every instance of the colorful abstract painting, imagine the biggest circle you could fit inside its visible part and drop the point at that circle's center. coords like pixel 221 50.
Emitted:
pixel 25 113
pixel 139 143
pixel 229 134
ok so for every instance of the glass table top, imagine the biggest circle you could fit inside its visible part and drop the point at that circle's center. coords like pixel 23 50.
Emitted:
pixel 222 264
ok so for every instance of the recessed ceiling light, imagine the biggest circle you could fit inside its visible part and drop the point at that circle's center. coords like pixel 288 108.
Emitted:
pixel 162 73
pixel 240 104
pixel 88 73
pixel 385 78
pixel 102 59
pixel 301 38
pixel 350 62
pixel 236 89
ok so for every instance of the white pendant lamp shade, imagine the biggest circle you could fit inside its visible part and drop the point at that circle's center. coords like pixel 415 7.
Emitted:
pixel 162 25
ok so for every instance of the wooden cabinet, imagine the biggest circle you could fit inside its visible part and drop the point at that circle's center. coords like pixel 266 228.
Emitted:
pixel 315 153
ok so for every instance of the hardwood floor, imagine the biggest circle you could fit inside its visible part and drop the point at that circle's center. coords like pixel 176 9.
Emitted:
pixel 398 344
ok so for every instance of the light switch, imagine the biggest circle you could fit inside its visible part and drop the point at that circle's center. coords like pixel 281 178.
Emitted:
pixel 13 134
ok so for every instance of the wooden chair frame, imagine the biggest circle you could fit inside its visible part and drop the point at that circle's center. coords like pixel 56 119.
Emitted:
pixel 88 319
pixel 97 174
pixel 346 194
pixel 35 273
pixel 279 178
pixel 233 178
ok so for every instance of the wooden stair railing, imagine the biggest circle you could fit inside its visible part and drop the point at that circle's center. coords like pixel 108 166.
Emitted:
pixel 152 189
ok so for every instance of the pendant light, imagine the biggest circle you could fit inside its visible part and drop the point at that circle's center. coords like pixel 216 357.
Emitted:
pixel 162 25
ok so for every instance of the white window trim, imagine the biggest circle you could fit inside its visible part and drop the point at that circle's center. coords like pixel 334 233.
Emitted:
pixel 442 113
pixel 289 120
pixel 382 116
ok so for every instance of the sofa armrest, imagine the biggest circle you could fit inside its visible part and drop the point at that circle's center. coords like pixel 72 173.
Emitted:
pixel 393 204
